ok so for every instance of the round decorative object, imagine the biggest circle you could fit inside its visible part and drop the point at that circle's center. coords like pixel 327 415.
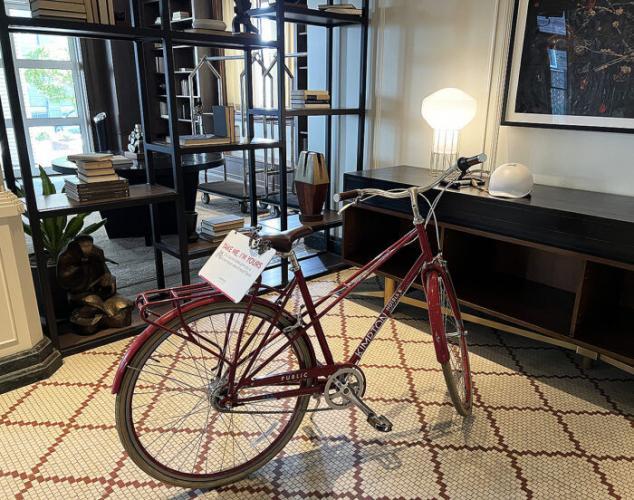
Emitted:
pixel 511 180
pixel 342 382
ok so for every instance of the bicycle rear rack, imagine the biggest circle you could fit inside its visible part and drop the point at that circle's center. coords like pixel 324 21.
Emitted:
pixel 154 303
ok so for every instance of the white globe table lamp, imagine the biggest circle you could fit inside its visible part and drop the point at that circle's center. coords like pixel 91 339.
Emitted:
pixel 447 111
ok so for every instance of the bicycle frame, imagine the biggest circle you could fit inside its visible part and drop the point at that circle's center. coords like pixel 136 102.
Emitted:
pixel 311 318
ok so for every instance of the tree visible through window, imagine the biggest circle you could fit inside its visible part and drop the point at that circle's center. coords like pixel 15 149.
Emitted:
pixel 51 95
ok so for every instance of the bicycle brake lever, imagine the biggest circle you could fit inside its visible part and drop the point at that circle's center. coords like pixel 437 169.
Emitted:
pixel 346 207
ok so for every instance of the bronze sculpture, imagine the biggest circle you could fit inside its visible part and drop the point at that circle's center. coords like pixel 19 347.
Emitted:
pixel 92 289
pixel 242 17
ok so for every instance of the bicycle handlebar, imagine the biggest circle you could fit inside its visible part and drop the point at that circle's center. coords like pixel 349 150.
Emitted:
pixel 463 164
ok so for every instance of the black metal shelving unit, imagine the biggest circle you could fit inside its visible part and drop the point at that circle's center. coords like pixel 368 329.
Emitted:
pixel 301 15
pixel 151 194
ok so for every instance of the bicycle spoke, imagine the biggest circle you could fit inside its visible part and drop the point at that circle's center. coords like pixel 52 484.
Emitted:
pixel 192 435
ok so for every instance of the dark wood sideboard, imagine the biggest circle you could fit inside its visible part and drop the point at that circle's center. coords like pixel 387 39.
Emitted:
pixel 558 266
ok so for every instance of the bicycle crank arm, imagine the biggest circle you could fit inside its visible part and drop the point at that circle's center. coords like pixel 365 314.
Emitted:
pixel 379 422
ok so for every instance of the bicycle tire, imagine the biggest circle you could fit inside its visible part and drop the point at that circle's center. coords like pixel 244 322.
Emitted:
pixel 456 370
pixel 123 408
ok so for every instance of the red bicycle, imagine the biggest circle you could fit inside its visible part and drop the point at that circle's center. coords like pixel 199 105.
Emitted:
pixel 211 390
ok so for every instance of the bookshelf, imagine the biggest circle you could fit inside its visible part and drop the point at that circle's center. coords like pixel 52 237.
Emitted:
pixel 179 51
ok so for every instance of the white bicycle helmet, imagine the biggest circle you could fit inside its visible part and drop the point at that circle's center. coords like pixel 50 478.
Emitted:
pixel 511 180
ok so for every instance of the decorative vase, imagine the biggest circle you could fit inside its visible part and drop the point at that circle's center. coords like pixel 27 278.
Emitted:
pixel 311 185
pixel 190 220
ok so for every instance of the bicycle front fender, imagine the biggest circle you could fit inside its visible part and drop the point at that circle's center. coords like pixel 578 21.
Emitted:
pixel 168 317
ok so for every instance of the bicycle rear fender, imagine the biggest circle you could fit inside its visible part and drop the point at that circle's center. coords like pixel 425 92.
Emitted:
pixel 170 316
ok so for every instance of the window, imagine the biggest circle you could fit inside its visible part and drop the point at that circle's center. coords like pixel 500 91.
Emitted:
pixel 52 95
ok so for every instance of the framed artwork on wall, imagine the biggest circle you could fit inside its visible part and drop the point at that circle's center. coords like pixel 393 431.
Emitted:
pixel 571 65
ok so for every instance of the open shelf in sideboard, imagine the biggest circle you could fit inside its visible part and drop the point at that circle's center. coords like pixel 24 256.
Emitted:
pixel 587 301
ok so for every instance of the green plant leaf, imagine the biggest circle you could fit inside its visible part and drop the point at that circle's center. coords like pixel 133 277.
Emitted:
pixel 49 230
pixel 47 186
pixel 93 227
pixel 74 226
pixel 27 228
pixel 19 192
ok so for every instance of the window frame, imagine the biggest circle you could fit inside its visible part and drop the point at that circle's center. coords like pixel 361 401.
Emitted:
pixel 74 64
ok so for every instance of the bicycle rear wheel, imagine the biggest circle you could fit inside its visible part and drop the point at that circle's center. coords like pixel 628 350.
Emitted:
pixel 448 330
pixel 167 409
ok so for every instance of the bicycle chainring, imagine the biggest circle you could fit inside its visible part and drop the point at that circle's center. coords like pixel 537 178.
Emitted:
pixel 344 379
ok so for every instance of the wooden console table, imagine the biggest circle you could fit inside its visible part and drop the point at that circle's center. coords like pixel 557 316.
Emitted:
pixel 558 266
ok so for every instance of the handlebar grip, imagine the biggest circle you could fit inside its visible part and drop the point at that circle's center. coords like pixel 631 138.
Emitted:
pixel 465 164
pixel 346 195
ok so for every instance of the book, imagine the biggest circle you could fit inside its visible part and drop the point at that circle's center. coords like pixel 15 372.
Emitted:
pixel 212 239
pixel 92 187
pixel 309 106
pixel 311 101
pixel 120 160
pixel 208 31
pixel 303 93
pixel 94 165
pixel 58 14
pixel 97 196
pixel 222 219
pixel 90 17
pixel 96 172
pixel 224 119
pixel 110 12
pixel 227 222
pixel 103 11
pixel 90 157
pixel 180 15
pixel 202 140
pixel 99 178
pixel 60 6
pixel 209 24
pixel 225 228
pixel 326 6
pixel 336 10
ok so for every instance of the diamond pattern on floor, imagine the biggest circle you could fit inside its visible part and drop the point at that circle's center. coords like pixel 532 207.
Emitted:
pixel 542 426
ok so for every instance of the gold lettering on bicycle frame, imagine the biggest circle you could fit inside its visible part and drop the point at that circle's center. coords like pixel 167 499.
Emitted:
pixel 387 310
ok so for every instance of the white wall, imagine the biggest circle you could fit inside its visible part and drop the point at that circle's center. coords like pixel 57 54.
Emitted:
pixel 424 45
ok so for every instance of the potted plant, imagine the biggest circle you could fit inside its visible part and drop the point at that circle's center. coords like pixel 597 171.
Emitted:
pixel 57 232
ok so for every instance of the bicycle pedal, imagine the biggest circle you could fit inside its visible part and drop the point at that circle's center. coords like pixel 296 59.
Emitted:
pixel 380 423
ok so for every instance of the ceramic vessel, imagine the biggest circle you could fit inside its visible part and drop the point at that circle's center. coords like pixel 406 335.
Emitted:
pixel 311 185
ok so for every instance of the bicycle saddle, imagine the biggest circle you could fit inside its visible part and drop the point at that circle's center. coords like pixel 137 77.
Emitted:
pixel 283 242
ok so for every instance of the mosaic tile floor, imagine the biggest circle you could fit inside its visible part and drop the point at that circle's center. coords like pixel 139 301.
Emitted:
pixel 542 427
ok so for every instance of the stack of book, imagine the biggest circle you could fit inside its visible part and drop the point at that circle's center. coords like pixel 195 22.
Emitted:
pixel 211 26
pixel 97 179
pixel 310 99
pixel 224 120
pixel 91 11
pixel 342 8
pixel 215 229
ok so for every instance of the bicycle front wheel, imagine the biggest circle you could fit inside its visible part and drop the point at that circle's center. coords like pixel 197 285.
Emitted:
pixel 167 409
pixel 448 331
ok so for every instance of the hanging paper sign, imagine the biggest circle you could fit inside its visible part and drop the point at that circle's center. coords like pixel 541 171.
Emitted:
pixel 234 266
